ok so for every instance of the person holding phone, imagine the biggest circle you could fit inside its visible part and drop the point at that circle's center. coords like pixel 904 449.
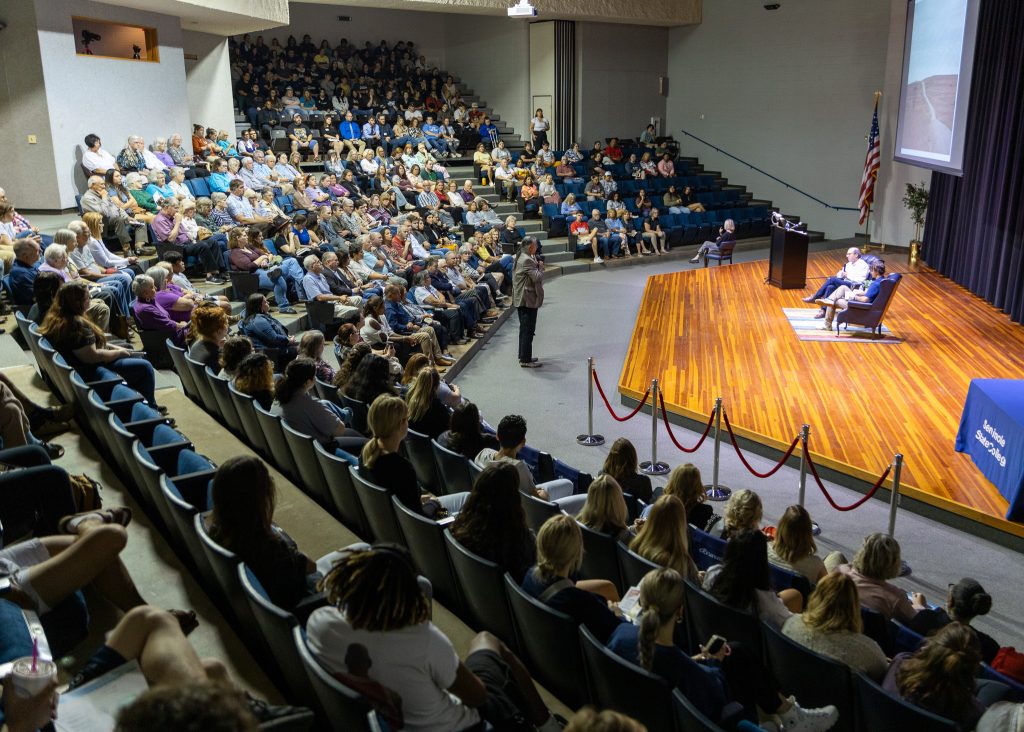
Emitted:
pixel 724 681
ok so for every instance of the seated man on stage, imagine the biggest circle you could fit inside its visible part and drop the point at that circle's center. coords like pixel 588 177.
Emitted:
pixel 726 235
pixel 851 274
pixel 844 293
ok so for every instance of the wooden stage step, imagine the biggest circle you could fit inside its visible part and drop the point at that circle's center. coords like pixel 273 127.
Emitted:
pixel 721 332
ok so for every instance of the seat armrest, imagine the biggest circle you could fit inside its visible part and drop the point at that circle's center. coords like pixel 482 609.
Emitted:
pixel 193 487
pixel 858 305
pixel 103 387
pixel 166 456
pixel 143 428
pixel 123 407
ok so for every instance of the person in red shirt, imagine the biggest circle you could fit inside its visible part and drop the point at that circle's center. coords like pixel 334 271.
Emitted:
pixel 581 230
pixel 613 150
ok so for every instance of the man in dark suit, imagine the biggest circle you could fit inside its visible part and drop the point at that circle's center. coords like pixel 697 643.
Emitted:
pixel 726 236
pixel 527 297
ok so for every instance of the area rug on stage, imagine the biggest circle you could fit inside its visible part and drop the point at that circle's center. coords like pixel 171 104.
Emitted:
pixel 810 329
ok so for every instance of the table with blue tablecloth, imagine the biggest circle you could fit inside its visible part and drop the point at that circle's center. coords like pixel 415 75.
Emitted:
pixel 992 433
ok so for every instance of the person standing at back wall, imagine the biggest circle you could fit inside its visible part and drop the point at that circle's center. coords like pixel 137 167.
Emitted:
pixel 527 297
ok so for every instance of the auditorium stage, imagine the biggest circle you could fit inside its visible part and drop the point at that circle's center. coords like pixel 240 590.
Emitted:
pixel 721 332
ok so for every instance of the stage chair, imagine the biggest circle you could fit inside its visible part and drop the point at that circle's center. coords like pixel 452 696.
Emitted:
pixel 724 252
pixel 870 314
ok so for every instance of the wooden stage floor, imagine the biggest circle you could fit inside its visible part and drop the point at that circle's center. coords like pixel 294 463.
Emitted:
pixel 721 332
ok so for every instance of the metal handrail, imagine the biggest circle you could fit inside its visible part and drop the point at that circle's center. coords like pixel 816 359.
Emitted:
pixel 763 172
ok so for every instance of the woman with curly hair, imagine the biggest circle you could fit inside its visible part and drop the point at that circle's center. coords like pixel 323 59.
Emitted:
pixel 743 511
pixel 255 377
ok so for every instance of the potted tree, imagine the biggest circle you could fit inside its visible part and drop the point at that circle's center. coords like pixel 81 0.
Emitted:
pixel 916 201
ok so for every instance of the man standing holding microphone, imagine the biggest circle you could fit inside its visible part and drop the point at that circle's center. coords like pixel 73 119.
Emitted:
pixel 527 297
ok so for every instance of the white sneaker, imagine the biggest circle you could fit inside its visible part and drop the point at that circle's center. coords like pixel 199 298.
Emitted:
pixel 798 719
pixel 598 260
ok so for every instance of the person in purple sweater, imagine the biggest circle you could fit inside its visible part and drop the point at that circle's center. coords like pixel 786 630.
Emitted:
pixel 151 315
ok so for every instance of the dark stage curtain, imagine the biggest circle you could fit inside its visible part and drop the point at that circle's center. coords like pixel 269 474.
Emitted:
pixel 975 227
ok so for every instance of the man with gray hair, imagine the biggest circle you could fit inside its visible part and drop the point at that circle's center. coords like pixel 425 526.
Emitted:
pixel 854 273
pixel 250 177
pixel 116 221
pixel 317 288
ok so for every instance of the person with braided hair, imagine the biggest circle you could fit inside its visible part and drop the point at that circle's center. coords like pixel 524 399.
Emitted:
pixel 376 602
pixel 717 683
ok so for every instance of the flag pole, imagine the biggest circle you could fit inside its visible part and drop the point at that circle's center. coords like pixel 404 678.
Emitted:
pixel 867 219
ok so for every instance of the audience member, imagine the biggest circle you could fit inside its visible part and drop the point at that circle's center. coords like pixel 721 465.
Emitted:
pixel 621 464
pixel 511 439
pixel 876 562
pixel 664 539
pixel 604 510
pixel 793 547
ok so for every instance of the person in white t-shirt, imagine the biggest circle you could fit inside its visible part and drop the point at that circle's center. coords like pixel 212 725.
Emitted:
pixel 376 602
pixel 95 159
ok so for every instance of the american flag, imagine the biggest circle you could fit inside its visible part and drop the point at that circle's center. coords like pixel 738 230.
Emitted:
pixel 867 181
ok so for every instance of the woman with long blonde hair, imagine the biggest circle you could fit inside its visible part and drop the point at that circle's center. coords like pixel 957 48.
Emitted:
pixel 831 625
pixel 427 414
pixel 663 538
pixel 381 462
pixel 605 508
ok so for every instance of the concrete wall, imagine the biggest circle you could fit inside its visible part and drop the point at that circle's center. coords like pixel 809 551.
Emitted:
pixel 208 80
pixel 617 69
pixel 542 71
pixel 27 169
pixel 789 91
pixel 110 97
pixel 491 55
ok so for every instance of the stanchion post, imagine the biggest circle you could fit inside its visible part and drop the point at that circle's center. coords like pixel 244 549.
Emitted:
pixel 654 467
pixel 716 491
pixel 804 433
pixel 894 498
pixel 590 439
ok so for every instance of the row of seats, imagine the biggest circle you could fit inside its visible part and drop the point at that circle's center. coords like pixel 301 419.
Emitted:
pixel 171 481
pixel 680 229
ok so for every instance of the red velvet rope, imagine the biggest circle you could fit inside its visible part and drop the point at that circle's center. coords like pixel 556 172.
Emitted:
pixel 855 504
pixel 668 428
pixel 736 446
pixel 611 411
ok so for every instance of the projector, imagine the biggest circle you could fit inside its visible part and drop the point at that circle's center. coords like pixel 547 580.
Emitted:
pixel 522 10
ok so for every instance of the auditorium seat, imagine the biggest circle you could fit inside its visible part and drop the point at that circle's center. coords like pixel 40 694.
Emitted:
pixel 601 558
pixel 615 683
pixel 207 400
pixel 182 528
pixel 879 711
pixel 705 549
pixel 276 626
pixel 815 680
pixel 453 469
pixel 421 455
pixel 338 707
pixel 346 504
pixel 222 396
pixel 278 446
pixel 376 503
pixel 188 383
pixel 549 643
pixel 312 478
pixel 632 566
pixel 425 539
pixel 537 510
pixel 244 407
pixel 688 717
pixel 224 566
pixel 483 589
pixel 707 617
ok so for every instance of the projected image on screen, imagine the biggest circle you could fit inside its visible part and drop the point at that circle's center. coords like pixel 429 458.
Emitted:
pixel 932 76
pixel 938 59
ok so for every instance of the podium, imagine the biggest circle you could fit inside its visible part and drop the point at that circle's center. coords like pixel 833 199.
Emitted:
pixel 787 258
